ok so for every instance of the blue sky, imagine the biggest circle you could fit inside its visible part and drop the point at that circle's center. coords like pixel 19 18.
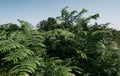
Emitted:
pixel 35 10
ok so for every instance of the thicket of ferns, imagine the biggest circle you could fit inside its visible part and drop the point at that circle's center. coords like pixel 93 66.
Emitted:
pixel 19 50
pixel 65 46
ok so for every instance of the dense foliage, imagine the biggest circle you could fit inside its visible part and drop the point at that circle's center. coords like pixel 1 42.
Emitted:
pixel 67 45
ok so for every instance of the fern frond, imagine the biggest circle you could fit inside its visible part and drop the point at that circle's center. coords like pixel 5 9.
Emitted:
pixel 28 65
pixel 17 54
pixel 102 32
pixel 8 45
pixel 26 26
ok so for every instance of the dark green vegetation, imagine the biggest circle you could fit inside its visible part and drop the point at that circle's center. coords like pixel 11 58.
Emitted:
pixel 63 46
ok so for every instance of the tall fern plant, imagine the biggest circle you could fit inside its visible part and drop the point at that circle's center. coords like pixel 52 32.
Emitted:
pixel 21 51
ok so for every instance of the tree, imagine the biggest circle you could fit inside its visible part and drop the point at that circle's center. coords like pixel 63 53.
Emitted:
pixel 48 24
pixel 80 43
